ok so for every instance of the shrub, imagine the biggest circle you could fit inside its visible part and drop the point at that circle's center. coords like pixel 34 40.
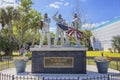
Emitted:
pixel 116 43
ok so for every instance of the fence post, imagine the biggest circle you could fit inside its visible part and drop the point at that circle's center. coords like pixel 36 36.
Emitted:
pixel 108 77
pixel 0 76
pixel 12 77
pixel 8 63
pixel 117 64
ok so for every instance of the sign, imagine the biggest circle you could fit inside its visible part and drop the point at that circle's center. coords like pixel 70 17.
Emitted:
pixel 58 62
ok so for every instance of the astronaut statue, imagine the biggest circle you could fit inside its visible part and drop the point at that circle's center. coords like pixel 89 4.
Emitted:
pixel 59 31
pixel 45 31
pixel 76 22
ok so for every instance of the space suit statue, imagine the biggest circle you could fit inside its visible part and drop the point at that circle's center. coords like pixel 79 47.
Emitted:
pixel 59 31
pixel 45 31
pixel 76 23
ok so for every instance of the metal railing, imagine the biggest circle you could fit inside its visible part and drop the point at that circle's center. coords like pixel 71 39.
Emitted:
pixel 5 58
pixel 16 77
pixel 115 76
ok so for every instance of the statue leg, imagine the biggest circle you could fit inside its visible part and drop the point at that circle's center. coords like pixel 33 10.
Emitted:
pixel 48 39
pixel 42 39
pixel 56 38
pixel 62 38
pixel 77 41
pixel 67 39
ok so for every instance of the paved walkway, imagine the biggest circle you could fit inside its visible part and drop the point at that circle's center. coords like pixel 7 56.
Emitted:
pixel 91 70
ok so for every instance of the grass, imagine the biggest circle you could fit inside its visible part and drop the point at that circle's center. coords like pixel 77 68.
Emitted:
pixel 98 53
pixel 89 53
pixel 10 64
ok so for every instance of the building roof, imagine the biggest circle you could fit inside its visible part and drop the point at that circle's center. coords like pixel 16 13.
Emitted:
pixel 107 23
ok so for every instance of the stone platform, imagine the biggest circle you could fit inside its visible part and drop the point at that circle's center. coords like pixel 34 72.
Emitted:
pixel 65 60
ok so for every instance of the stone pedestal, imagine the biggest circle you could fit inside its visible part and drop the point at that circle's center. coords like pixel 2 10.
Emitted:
pixel 59 60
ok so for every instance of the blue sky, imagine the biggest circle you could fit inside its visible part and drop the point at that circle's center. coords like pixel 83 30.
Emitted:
pixel 96 11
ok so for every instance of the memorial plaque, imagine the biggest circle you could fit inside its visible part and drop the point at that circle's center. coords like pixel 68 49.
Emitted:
pixel 58 62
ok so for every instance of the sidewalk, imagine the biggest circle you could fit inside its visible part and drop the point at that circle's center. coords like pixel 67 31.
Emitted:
pixel 91 70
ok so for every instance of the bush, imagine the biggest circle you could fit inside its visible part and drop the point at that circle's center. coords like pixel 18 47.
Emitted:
pixel 8 46
pixel 116 43
pixel 110 50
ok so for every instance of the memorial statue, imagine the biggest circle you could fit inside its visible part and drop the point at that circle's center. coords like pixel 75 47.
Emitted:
pixel 59 30
pixel 73 30
pixel 45 31
pixel 67 37
pixel 76 23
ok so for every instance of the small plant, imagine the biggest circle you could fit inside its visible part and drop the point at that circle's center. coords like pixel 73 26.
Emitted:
pixel 102 58
pixel 20 58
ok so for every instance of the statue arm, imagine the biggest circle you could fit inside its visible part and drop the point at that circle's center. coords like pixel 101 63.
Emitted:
pixel 54 16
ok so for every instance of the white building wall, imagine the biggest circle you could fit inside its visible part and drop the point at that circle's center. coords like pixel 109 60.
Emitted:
pixel 103 35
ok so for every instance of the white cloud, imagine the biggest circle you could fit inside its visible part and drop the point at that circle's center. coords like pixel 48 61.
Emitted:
pixel 5 3
pixel 58 4
pixel 54 5
pixel 93 25
pixel 67 3
pixel 88 26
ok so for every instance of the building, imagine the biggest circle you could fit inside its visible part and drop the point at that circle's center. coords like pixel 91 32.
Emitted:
pixel 102 35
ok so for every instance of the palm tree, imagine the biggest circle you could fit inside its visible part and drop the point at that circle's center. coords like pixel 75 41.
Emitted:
pixel 6 16
pixel 116 43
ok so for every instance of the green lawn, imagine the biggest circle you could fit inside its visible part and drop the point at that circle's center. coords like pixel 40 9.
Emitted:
pixel 98 53
pixel 89 53
pixel 4 65
pixel 10 64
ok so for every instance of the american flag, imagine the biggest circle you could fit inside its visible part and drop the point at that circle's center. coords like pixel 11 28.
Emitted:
pixel 71 31
pixel 63 27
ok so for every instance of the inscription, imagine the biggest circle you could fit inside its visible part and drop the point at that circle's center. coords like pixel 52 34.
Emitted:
pixel 58 62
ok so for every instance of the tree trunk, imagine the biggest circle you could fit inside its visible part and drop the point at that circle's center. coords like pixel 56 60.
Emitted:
pixel 33 41
pixel 118 50
pixel 10 32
